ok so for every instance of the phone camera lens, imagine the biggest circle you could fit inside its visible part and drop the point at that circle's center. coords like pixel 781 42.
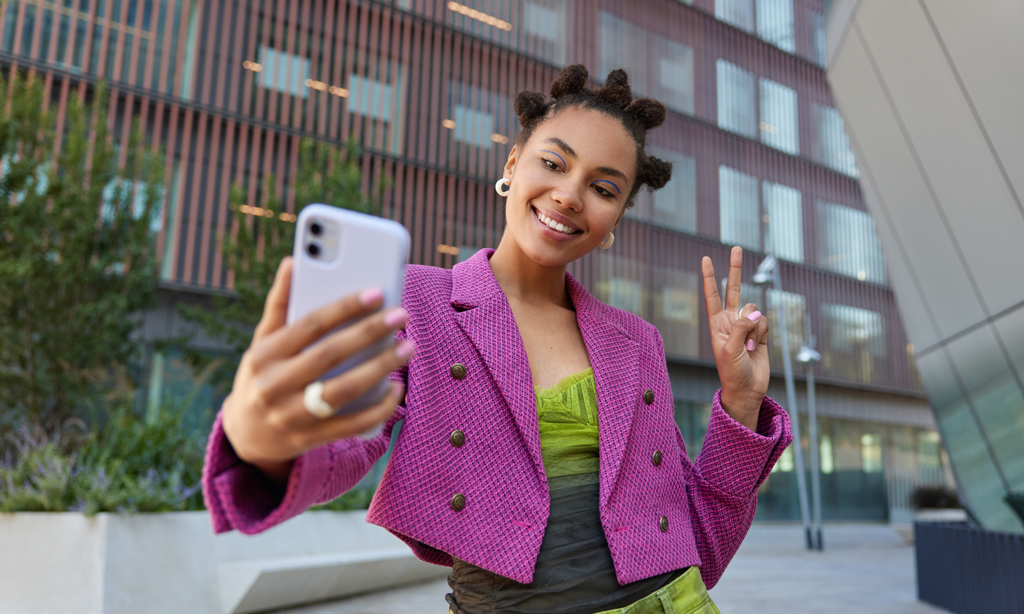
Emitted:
pixel 313 249
pixel 315 228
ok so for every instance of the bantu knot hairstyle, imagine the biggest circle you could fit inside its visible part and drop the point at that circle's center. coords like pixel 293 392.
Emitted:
pixel 615 99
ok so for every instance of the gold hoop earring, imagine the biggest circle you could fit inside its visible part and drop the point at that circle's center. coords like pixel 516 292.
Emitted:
pixel 502 182
pixel 608 241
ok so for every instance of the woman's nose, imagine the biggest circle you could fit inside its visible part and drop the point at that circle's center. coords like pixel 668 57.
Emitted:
pixel 569 194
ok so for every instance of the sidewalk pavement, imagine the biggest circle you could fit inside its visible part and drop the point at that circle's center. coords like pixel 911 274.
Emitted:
pixel 865 569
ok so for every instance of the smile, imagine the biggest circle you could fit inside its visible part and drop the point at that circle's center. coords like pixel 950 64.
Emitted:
pixel 553 225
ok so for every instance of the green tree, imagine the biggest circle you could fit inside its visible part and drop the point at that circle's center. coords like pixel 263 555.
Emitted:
pixel 77 256
pixel 260 237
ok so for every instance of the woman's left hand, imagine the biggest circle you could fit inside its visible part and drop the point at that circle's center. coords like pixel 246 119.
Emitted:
pixel 739 339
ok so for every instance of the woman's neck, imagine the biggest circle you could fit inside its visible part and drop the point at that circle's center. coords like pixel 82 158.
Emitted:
pixel 527 280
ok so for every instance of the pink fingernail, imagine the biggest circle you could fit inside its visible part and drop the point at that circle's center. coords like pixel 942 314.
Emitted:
pixel 750 345
pixel 754 317
pixel 371 296
pixel 395 317
pixel 405 349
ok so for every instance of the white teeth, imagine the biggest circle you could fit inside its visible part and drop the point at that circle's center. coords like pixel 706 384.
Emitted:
pixel 550 223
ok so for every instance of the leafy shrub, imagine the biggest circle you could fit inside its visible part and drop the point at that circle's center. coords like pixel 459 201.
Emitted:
pixel 356 499
pixel 934 497
pixel 129 465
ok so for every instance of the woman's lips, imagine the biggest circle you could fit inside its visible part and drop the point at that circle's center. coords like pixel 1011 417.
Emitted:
pixel 555 225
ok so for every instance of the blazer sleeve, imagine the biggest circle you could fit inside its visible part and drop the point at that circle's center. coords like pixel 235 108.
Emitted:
pixel 722 483
pixel 240 497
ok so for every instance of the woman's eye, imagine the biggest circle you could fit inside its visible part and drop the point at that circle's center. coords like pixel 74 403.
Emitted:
pixel 602 191
pixel 551 164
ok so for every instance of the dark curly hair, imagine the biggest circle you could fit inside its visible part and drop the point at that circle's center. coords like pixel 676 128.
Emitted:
pixel 614 99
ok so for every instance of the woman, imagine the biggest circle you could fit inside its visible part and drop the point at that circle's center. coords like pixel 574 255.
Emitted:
pixel 538 454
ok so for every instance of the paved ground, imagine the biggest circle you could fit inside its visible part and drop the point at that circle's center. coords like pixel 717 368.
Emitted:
pixel 865 569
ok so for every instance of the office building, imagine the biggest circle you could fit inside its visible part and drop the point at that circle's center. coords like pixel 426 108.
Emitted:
pixel 931 91
pixel 761 160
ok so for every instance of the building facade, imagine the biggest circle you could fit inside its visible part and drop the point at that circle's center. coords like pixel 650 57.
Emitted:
pixel 760 154
pixel 931 90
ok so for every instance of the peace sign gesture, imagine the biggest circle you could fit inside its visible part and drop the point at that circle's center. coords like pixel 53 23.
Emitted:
pixel 739 339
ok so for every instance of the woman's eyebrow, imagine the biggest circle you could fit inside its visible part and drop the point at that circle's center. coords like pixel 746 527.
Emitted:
pixel 614 172
pixel 569 151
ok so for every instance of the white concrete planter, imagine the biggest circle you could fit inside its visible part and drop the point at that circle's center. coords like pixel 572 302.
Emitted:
pixel 172 563
pixel 906 529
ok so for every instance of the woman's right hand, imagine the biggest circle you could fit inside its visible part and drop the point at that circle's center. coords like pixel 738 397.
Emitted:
pixel 264 417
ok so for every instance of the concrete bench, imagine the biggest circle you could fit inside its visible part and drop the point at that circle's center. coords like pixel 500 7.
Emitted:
pixel 262 584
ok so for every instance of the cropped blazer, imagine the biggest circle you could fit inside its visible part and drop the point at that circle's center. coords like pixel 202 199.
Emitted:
pixel 482 496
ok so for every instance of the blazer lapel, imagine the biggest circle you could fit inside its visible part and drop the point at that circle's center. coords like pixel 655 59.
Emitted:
pixel 486 318
pixel 615 359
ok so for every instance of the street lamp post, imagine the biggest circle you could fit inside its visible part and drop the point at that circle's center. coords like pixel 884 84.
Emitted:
pixel 808 356
pixel 768 274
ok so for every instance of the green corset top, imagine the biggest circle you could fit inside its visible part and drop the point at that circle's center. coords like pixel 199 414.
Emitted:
pixel 567 414
pixel 574 573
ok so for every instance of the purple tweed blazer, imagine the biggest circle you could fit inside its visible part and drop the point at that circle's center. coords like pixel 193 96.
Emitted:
pixel 462 316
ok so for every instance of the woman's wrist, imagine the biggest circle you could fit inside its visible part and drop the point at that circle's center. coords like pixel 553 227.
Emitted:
pixel 276 471
pixel 744 409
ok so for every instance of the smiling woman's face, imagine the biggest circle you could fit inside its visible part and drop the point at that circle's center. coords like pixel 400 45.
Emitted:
pixel 569 185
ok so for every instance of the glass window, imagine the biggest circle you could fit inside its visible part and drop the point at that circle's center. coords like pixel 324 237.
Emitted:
pixel 620 283
pixel 831 144
pixel 795 306
pixel 854 345
pixel 539 28
pixel 674 205
pixel 541 21
pixel 473 127
pixel 627 294
pixel 676 310
pixel 10 22
pixel 775 23
pixel 476 114
pixel 369 97
pixel 825 454
pixel 816 22
pixel 780 124
pixel 998 403
pixel 849 244
pixel 977 474
pixel 739 13
pixel 739 211
pixel 658 67
pixel 736 105
pixel 283 71
pixel 693 420
pixel 871 452
pixel 783 214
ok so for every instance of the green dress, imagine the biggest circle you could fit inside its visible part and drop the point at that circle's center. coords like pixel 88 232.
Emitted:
pixel 574 573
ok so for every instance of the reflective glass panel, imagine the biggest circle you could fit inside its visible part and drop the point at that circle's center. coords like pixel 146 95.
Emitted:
pixel 976 472
pixel 674 205
pixel 783 213
pixel 736 99
pixel 676 310
pixel 739 210
pixel 849 244
pixel 854 346
pixel 996 397
pixel 831 144
pixel 739 13
pixel 775 23
pixel 283 71
pixel 779 121
pixel 658 67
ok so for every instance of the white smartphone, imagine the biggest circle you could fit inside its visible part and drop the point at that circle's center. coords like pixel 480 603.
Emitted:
pixel 338 252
